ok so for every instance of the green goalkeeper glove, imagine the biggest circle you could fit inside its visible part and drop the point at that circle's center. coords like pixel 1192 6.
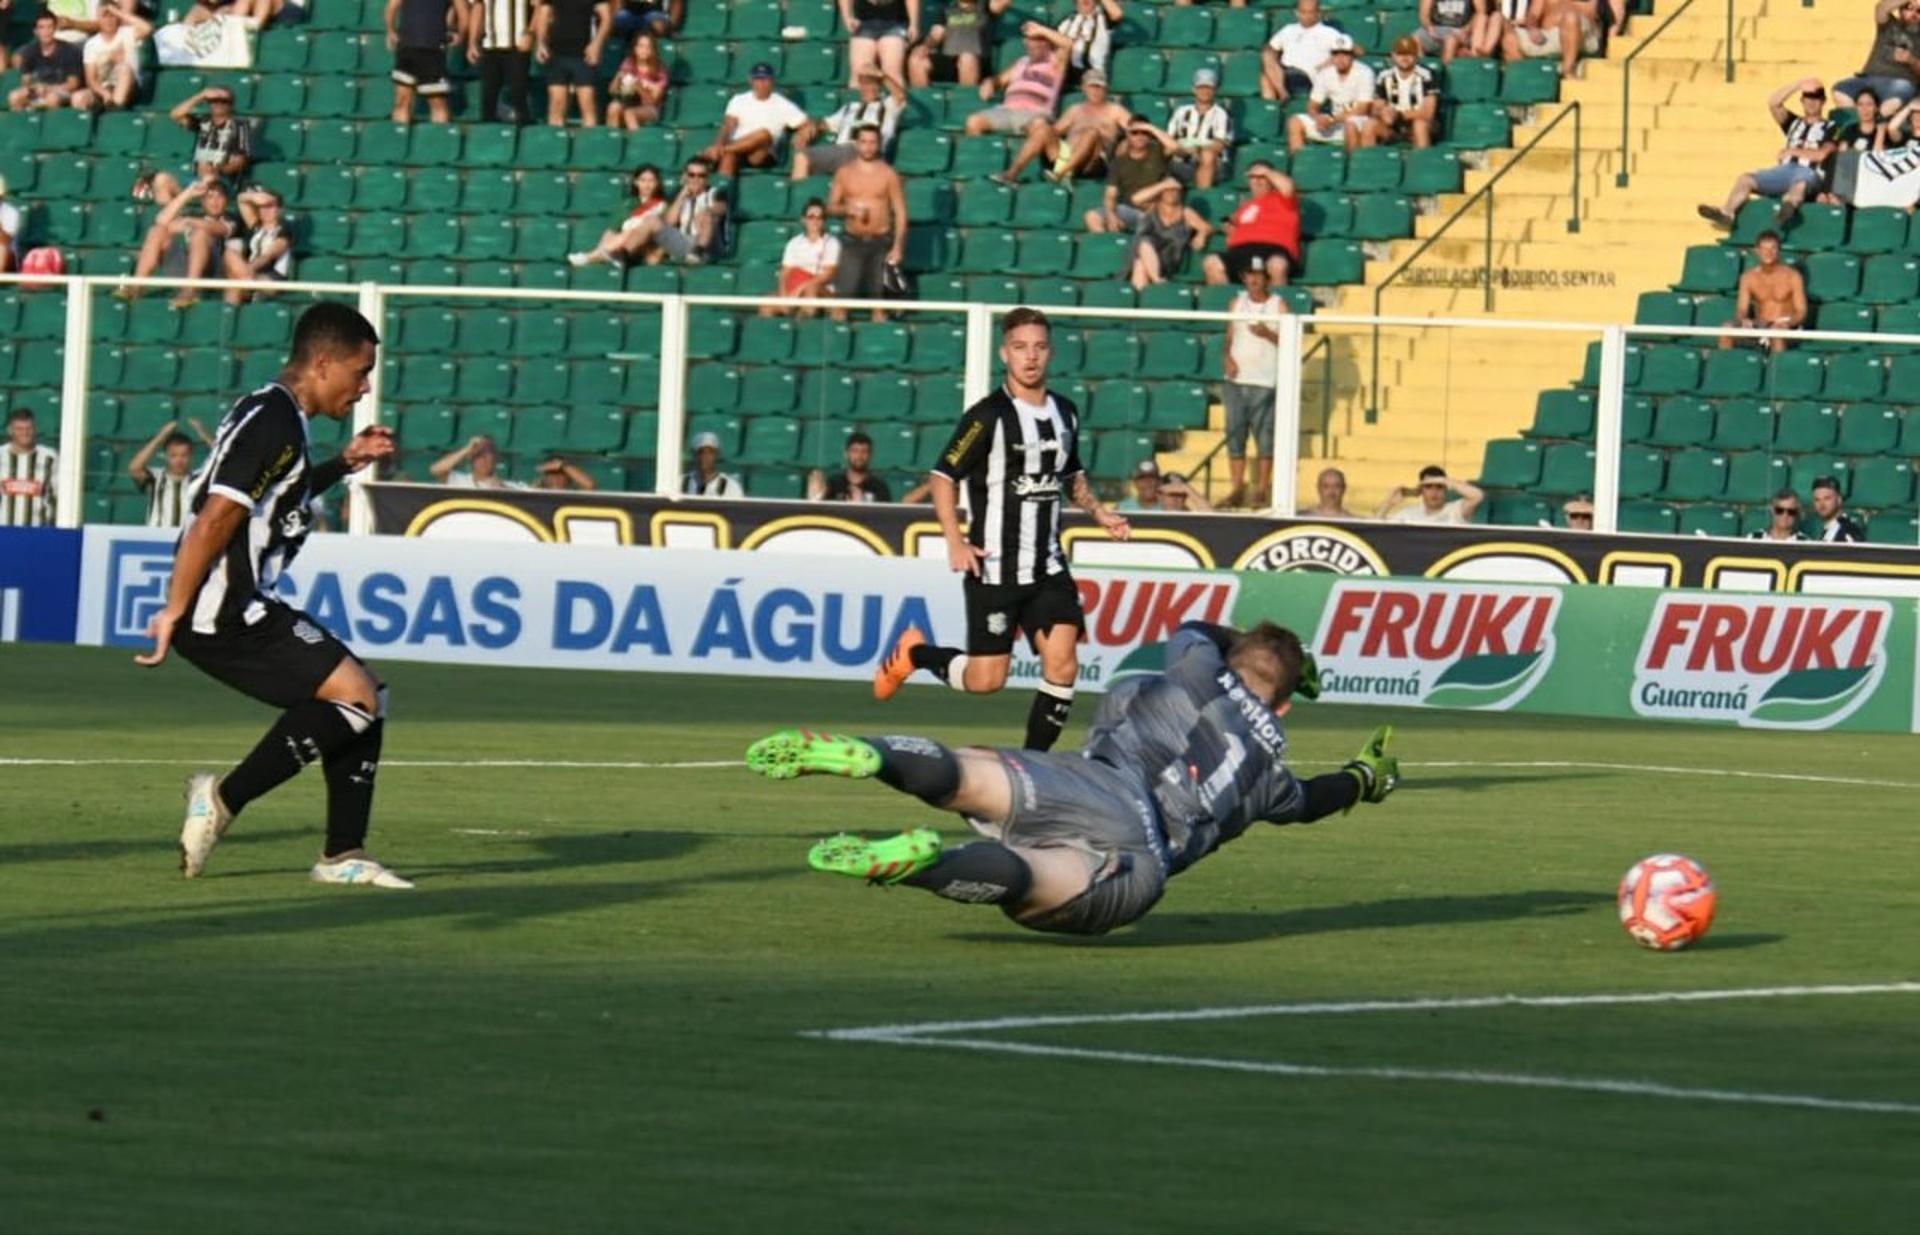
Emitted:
pixel 1377 772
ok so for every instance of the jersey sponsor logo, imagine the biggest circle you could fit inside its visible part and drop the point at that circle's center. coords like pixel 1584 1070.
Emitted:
pixel 1435 644
pixel 271 474
pixel 957 453
pixel 1330 550
pixel 1763 662
pixel 1135 615
pixel 22 488
pixel 137 577
pixel 1033 487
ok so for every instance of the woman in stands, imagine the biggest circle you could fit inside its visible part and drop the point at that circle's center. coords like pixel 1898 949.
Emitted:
pixel 639 91
pixel 1168 232
pixel 808 264
pixel 623 244
pixel 1489 27
pixel 881 31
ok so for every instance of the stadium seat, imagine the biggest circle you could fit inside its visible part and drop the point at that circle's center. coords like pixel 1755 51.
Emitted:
pixel 1817 226
pixel 1754 476
pixel 1664 309
pixel 1709 268
pixel 1682 420
pixel 1651 517
pixel 1642 471
pixel 1566 469
pixel 1694 475
pixel 1890 279
pixel 1877 229
pixel 1806 426
pixel 1853 376
pixel 1709 521
pixel 1880 481
pixel 1511 463
pixel 1795 375
pixel 1472 80
pixel 1743 424
pixel 1433 171
pixel 1563 413
pixel 1894 527
pixel 1729 372
pixel 1669 370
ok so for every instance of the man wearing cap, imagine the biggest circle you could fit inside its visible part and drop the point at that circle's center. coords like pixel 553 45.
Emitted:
pixel 418 35
pixel 757 118
pixel 875 106
pixel 706 479
pixel 1146 488
pixel 1330 487
pixel 1836 524
pixel 1030 87
pixel 1408 99
pixel 1811 139
pixel 1300 49
pixel 1446 27
pixel 222 144
pixel 1263 230
pixel 1578 512
pixel 1202 133
pixel 568 36
pixel 1433 506
pixel 1555 28
pixel 1340 106
pixel 482 458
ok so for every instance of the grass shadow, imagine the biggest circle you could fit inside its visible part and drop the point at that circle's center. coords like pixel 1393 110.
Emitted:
pixel 1727 943
pixel 1416 781
pixel 576 850
pixel 163 841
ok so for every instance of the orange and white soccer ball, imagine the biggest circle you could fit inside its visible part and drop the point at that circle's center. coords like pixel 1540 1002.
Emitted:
pixel 1667 901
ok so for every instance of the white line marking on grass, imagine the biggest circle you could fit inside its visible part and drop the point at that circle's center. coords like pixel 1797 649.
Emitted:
pixel 1651 1089
pixel 622 765
pixel 1659 769
pixel 489 831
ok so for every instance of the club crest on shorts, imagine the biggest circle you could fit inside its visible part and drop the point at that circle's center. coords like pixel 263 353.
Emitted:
pixel 996 623
pixel 307 632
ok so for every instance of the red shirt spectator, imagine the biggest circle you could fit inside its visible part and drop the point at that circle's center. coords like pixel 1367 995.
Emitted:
pixel 1264 229
pixel 1271 218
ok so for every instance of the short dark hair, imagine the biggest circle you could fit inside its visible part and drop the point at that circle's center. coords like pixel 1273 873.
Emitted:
pixel 1785 494
pixel 866 128
pixel 1271 651
pixel 644 167
pixel 176 438
pixel 1827 482
pixel 45 15
pixel 1025 315
pixel 1433 471
pixel 330 326
pixel 814 203
pixel 1769 234
pixel 697 160
pixel 857 438
pixel 19 413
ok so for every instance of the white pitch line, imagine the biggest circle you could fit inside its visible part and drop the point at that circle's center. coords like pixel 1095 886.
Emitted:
pixel 1521 1080
pixel 1660 769
pixel 876 1033
pixel 623 765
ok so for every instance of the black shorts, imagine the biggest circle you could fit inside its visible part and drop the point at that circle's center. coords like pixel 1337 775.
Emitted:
pixel 863 267
pixel 996 610
pixel 282 659
pixel 1240 256
pixel 569 71
pixel 423 68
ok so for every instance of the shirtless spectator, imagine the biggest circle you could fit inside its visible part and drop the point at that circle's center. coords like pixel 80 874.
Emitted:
pixel 1080 141
pixel 879 104
pixel 1810 143
pixel 1773 296
pixel 52 74
pixel 1562 28
pixel 1030 88
pixel 756 121
pixel 1447 27
pixel 1895 57
pixel 111 58
pixel 1331 489
pixel 202 237
pixel 1340 106
pixel 956 48
pixel 1294 54
pixel 870 196
pixel 1136 175
pixel 807 266
pixel 620 244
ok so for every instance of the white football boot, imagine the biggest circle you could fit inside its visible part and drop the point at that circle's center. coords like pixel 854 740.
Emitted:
pixel 357 866
pixel 206 822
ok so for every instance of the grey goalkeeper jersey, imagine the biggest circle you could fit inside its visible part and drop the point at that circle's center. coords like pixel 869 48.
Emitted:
pixel 1207 751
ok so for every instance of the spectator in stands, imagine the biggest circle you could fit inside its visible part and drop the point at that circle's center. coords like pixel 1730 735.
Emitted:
pixel 657 18
pixel 74 20
pixel 1031 88
pixel 261 247
pixel 1893 60
pixel 1785 523
pixel 808 264
pixel 1264 230
pixel 956 48
pixel 501 43
pixel 1340 105
pixel 9 231
pixel 1330 486
pixel 222 144
pixel 255 14
pixel 111 58
pixel 1409 99
pixel 29 474
pixel 1167 233
pixel 756 121
pixel 1136 176
pixel 1772 296
pixel 1089 32
pixel 1488 31
pixel 418 34
pixel 1146 488
pixel 1578 511
pixel 555 472
pixel 52 74
pixel 1201 133
pixel 1447 27
pixel 879 104
pixel 623 244
pixel 638 94
pixel 879 33
pixel 853 483
pixel 872 199
pixel 1550 28
pixel 693 227
pixel 198 240
pixel 1433 506
pixel 568 37
pixel 1252 368
pixel 166 486
pixel 1081 141
pixel 706 479
pixel 1810 143
pixel 1836 525
pixel 1179 497
pixel 1299 50
pixel 482 458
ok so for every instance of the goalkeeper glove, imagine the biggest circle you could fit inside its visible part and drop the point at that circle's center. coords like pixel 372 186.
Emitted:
pixel 1377 772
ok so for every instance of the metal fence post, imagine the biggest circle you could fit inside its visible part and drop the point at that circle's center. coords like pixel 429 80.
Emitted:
pixel 1607 429
pixel 366 413
pixel 1289 372
pixel 1573 224
pixel 673 397
pixel 70 481
pixel 977 378
pixel 1486 278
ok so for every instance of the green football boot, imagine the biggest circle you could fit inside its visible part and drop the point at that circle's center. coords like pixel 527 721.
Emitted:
pixel 877 861
pixel 802 752
pixel 1376 770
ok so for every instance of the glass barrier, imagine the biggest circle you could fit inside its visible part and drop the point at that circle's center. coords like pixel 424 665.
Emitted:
pixel 32 358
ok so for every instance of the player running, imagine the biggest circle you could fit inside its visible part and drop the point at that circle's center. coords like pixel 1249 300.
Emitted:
pixel 249 517
pixel 1176 765
pixel 1018 453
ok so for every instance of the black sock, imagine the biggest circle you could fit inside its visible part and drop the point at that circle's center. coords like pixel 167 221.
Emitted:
pixel 919 766
pixel 983 873
pixel 1322 795
pixel 1048 715
pixel 305 733
pixel 939 662
pixel 350 771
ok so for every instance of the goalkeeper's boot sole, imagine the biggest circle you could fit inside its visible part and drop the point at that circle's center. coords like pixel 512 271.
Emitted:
pixel 898 666
pixel 206 822
pixel 876 861
pixel 801 752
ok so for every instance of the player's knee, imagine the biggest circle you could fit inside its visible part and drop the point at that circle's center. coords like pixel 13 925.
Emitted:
pixel 986 676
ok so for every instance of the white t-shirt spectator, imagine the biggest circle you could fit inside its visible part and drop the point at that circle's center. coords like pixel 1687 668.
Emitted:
pixel 1305 48
pixel 1417 512
pixel 812 256
pixel 723 484
pixel 1336 94
pixel 1256 359
pixel 99 48
pixel 10 222
pixel 466 480
pixel 776 114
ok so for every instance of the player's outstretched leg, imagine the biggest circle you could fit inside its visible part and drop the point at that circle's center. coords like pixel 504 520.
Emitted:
pixel 802 752
pixel 912 651
pixel 983 873
pixel 206 822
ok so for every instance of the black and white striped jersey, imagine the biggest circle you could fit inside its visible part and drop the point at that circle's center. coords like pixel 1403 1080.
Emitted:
pixel 259 460
pixel 504 23
pixel 1016 463
pixel 27 483
pixel 1192 127
pixel 166 497
pixel 1406 91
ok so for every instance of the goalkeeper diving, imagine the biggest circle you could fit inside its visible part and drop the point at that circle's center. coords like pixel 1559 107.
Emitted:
pixel 1175 765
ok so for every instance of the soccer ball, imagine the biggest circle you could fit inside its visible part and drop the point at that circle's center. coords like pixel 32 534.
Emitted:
pixel 1667 901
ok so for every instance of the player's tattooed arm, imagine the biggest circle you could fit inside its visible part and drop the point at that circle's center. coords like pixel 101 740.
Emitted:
pixel 1085 498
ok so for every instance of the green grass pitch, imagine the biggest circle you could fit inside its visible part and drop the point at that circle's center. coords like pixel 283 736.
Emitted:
pixel 590 1015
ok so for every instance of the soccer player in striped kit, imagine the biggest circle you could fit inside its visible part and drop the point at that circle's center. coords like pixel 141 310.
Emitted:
pixel 1017 452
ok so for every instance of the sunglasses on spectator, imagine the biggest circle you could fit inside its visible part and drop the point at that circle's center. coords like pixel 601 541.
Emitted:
pixel 1786 510
pixel 691 174
pixel 814 215
pixel 1579 516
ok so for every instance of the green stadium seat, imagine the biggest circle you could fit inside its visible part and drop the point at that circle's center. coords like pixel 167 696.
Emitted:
pixel 1881 482
pixel 979 156
pixel 1473 80
pixel 1890 279
pixel 822 342
pixel 1518 510
pixel 1732 371
pixel 987 249
pixel 1240 27
pixel 712 332
pixel 1894 527
pixel 383 235
pixel 1177 406
pixel 482 379
pixel 1795 375
pixel 599 383
pixel 490 145
pixel 765 340
pixel 769 390
pixel 1816 227
pixel 1854 318
pixel 1112 353
pixel 1041 205
pixel 433 190
pixel 1854 376
pixel 984 203
pixel 1333 261
pixel 1375 169
pixel 991 289
pixel 331 98
pixel 826 393
pixel 1433 171
pixel 493 422
pixel 1803 470
pixel 1186 27
pixel 1172 298
pixel 488 192
pixel 1682 420
pixel 770 439
pixel 380 188
pixel 880 345
pixel 1663 309
pixel 1382 216
pixel 1710 310
pixel 541 332
pixel 1480 126
pixel 1566 469
pixel 938 348
pixel 1642 471
pixel 1261 120
pixel 1170 355
pixel 1877 229
pixel 1648 517
pixel 1832 276
pixel 539 431
pixel 427 328
pixel 1511 463
pixel 1754 476
pixel 1101 257
pixel 882 397
pixel 1636 418
pixel 1743 424
pixel 1709 268
pixel 1909 432
pixel 1563 413
pixel 1695 475
pixel 1706 520
pixel 923 153
pixel 1529 81
pixel 429 426
pixel 1805 425
pixel 1138 70
pixel 1319 168
pixel 1669 370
